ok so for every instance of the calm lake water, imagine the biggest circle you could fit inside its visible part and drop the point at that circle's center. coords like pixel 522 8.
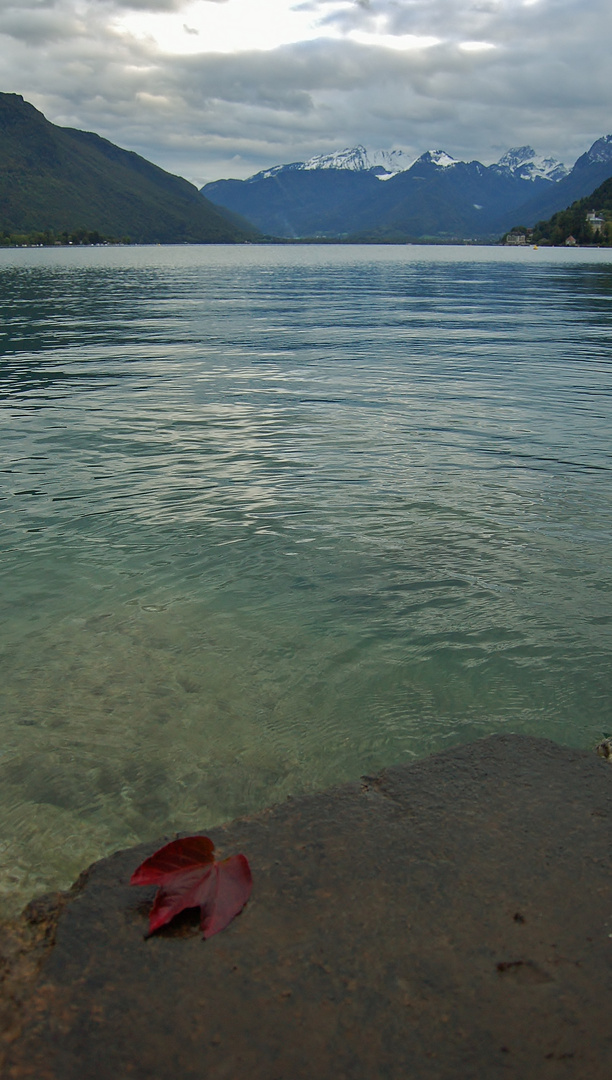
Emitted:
pixel 273 517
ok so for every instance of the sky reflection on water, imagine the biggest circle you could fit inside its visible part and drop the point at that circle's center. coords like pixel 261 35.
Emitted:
pixel 273 517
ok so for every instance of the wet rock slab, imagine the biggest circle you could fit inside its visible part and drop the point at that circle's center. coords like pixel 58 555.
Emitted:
pixel 446 920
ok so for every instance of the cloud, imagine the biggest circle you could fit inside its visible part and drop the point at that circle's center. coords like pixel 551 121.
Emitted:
pixel 544 80
pixel 40 22
pixel 155 6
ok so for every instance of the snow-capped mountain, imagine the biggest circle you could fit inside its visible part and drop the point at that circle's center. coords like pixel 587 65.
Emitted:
pixel 600 153
pixel 524 163
pixel 589 171
pixel 355 158
pixel 521 162
pixel 437 157
pixel 433 197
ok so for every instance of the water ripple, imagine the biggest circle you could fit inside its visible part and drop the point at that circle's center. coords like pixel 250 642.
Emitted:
pixel 272 517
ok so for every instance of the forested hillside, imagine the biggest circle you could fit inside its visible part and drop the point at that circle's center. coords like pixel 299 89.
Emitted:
pixel 573 222
pixel 60 180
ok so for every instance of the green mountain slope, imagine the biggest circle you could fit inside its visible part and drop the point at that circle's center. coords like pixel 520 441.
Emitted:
pixel 573 221
pixel 63 180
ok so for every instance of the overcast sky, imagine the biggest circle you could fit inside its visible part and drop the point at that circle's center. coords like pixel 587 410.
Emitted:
pixel 220 88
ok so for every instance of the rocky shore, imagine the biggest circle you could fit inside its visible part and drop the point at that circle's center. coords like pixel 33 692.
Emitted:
pixel 446 920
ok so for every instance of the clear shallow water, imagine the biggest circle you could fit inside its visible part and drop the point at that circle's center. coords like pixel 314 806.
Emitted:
pixel 274 517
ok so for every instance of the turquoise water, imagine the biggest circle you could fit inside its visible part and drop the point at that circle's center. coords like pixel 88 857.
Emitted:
pixel 272 517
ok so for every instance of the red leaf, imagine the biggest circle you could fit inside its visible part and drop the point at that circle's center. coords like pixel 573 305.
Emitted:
pixel 189 877
pixel 174 858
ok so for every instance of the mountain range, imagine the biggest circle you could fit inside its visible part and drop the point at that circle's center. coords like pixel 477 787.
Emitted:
pixel 388 196
pixel 60 179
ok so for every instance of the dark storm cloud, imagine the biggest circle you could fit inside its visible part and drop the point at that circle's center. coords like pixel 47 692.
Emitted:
pixel 544 81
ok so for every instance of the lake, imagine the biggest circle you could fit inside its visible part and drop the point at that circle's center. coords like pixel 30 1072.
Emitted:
pixel 275 517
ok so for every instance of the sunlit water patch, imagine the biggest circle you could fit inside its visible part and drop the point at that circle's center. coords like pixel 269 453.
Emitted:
pixel 275 517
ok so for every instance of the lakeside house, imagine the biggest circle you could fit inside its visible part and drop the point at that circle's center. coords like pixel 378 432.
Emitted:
pixel 595 219
pixel 517 239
